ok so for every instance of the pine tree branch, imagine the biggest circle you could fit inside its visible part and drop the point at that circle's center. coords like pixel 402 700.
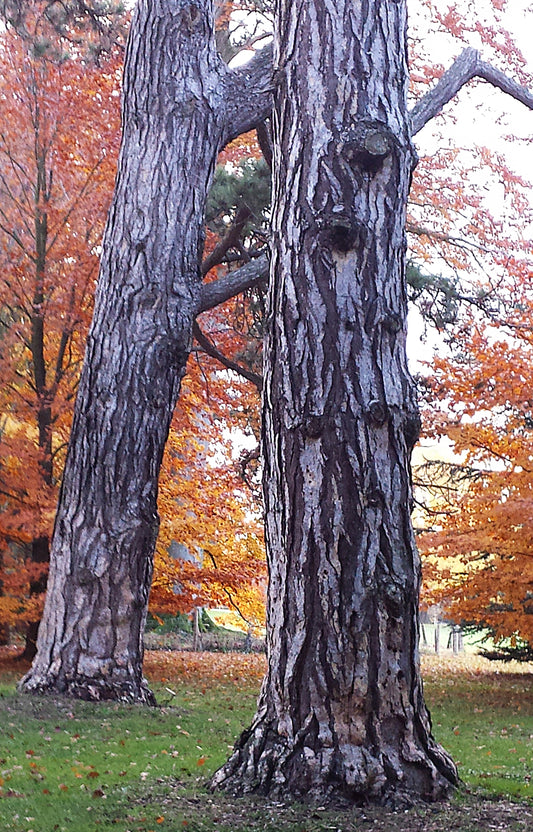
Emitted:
pixel 230 240
pixel 249 94
pixel 467 66
pixel 233 283
pixel 209 348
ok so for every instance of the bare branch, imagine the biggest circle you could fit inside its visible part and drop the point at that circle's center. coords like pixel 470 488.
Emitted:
pixel 247 456
pixel 215 353
pixel 233 283
pixel 467 66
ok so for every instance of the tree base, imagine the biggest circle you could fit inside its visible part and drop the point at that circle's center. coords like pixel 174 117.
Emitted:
pixel 265 763
pixel 89 689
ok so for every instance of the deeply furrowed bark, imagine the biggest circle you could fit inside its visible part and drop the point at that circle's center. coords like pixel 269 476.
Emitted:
pixel 174 123
pixel 341 712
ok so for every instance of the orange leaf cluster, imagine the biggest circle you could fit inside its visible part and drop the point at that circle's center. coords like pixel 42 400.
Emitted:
pixel 210 549
pixel 58 145
pixel 59 141
pixel 479 556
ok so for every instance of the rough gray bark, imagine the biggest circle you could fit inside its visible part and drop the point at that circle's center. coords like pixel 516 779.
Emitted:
pixel 175 120
pixel 341 712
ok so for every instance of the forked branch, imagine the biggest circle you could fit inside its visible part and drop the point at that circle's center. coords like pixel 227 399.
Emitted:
pixel 467 66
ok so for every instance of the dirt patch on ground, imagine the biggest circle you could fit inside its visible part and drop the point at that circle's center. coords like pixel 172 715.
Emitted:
pixel 205 812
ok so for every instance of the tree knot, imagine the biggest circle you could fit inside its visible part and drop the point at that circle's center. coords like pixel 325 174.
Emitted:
pixel 190 18
pixel 377 411
pixel 367 144
pixel 392 322
pixel 411 428
pixel 313 426
pixel 342 232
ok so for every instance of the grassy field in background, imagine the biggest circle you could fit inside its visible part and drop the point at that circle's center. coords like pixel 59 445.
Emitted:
pixel 67 765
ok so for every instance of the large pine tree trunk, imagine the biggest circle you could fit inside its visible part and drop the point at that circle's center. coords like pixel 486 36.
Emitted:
pixel 341 711
pixel 90 639
pixel 181 106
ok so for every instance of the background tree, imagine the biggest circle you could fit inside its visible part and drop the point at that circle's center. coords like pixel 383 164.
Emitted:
pixel 55 178
pixel 210 549
pixel 477 548
pixel 93 28
pixel 472 250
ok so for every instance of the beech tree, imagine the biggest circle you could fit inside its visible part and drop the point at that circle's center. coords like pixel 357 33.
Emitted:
pixel 477 545
pixel 341 710
pixel 205 507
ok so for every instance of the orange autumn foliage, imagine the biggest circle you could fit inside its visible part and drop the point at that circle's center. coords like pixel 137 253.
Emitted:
pixel 467 220
pixel 59 142
pixel 210 547
pixel 478 559
pixel 56 174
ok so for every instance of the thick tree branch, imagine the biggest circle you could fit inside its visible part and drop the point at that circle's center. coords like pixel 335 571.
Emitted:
pixel 233 283
pixel 467 66
pixel 210 348
pixel 249 93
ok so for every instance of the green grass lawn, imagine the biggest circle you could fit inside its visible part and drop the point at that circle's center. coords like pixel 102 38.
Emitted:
pixel 67 765
pixel 483 714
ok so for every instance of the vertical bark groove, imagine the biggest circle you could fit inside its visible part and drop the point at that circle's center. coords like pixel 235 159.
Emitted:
pixel 341 712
